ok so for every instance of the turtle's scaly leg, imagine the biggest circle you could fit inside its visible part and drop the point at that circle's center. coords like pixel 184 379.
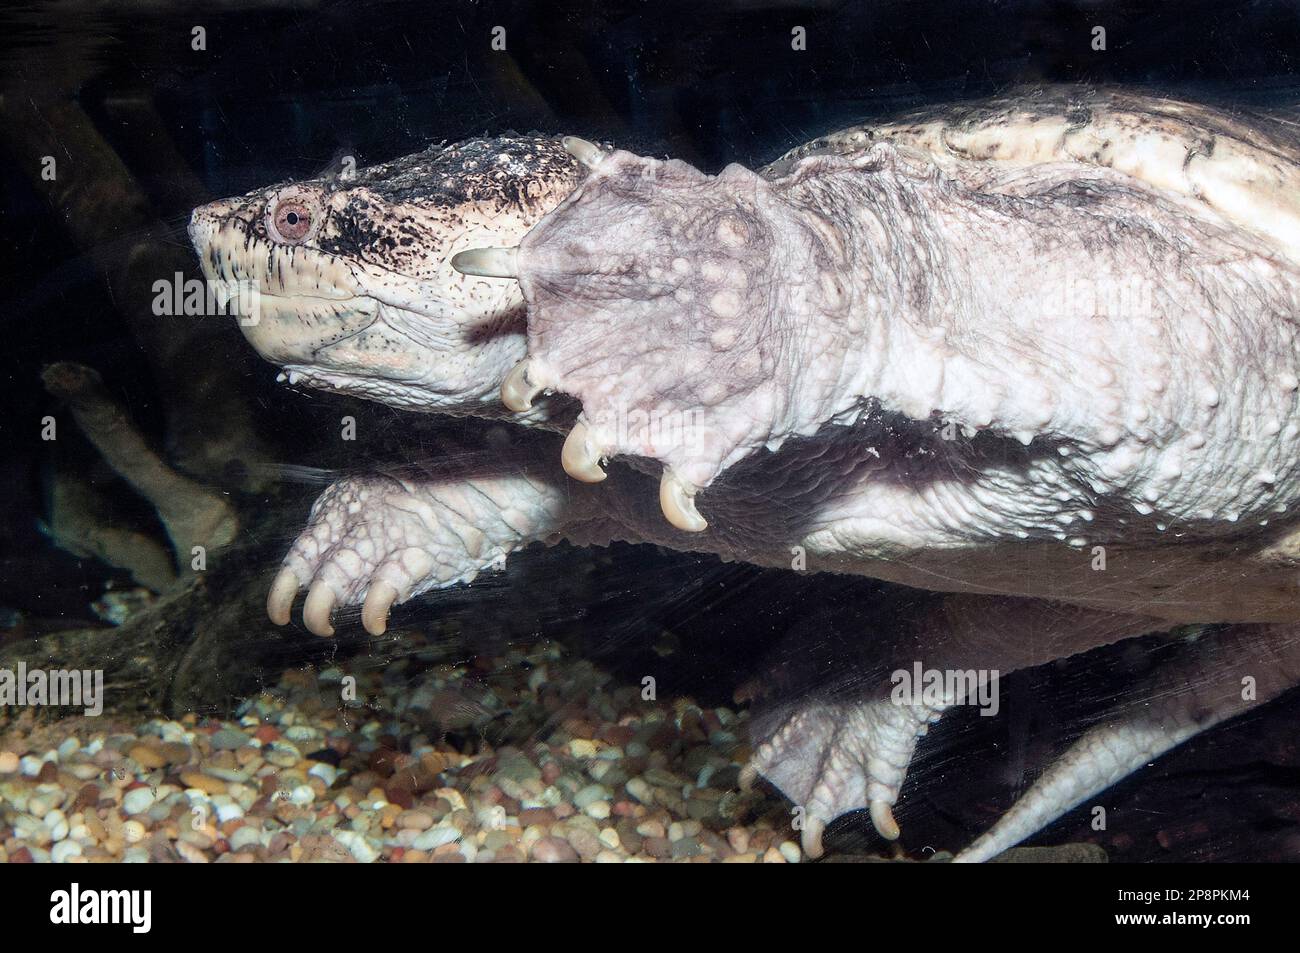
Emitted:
pixel 832 754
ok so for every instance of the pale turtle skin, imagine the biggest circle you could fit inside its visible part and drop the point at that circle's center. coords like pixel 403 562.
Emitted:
pixel 1038 354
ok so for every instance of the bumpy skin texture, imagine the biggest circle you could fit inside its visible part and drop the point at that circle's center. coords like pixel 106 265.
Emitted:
pixel 382 539
pixel 961 370
pixel 897 290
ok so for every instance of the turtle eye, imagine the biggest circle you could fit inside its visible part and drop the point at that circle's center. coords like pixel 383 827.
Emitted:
pixel 291 217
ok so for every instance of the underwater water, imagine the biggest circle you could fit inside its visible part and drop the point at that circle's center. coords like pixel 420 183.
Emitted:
pixel 593 703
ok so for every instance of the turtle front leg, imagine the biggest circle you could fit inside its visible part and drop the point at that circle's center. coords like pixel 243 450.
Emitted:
pixel 833 752
pixel 1222 675
pixel 381 539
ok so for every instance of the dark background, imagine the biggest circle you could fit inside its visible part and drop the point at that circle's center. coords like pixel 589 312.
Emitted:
pixel 284 88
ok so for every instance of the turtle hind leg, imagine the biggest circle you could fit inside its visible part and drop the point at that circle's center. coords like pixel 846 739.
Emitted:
pixel 831 758
pixel 848 745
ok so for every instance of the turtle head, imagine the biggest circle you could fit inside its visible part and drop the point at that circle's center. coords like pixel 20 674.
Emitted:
pixel 349 278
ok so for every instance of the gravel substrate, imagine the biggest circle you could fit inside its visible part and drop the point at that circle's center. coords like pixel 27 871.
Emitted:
pixel 531 756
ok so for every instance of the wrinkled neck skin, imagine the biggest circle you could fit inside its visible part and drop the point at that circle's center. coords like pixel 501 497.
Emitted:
pixel 482 353
pixel 1059 355
pixel 474 358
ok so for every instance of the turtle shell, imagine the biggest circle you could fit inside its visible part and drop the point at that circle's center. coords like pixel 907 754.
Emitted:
pixel 1243 167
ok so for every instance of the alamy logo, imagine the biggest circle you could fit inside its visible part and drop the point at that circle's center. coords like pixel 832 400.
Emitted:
pixel 660 432
pixel 1083 296
pixel 79 688
pixel 195 298
pixel 941 688
pixel 103 906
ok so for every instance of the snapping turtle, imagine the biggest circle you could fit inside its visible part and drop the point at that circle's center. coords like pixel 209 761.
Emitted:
pixel 1037 354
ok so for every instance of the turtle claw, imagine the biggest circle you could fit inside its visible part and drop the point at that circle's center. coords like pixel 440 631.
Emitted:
pixel 677 500
pixel 811 837
pixel 374 611
pixel 882 818
pixel 279 600
pixel 317 609
pixel 517 392
pixel 832 758
pixel 579 458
